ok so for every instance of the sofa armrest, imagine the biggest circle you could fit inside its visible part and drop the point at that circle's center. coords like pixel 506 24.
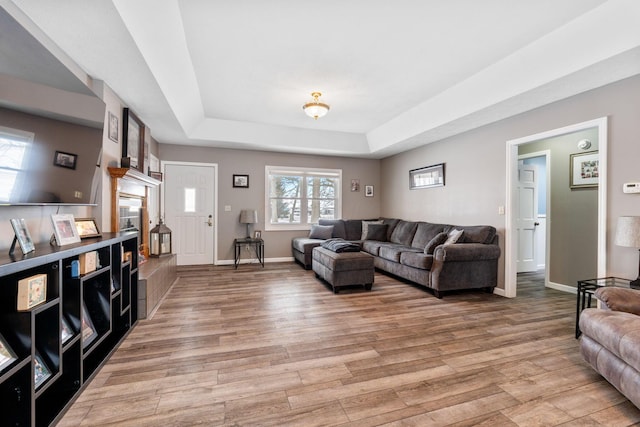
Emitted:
pixel 466 252
pixel 620 299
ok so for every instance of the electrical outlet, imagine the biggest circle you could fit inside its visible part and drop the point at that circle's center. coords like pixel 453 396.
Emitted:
pixel 500 210
pixel 227 208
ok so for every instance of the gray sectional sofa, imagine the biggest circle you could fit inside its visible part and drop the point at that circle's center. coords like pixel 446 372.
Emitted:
pixel 417 251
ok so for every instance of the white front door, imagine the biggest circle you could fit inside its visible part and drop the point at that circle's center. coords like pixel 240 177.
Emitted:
pixel 526 219
pixel 189 206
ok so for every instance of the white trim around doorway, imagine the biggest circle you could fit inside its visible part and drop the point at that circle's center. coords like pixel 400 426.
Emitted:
pixel 512 174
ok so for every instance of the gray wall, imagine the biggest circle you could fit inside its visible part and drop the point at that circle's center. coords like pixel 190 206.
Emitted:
pixel 252 163
pixel 573 215
pixel 476 165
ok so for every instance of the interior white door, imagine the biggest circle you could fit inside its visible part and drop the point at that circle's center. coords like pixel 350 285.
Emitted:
pixel 189 203
pixel 526 218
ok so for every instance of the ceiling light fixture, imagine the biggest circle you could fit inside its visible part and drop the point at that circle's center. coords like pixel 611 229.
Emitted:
pixel 315 108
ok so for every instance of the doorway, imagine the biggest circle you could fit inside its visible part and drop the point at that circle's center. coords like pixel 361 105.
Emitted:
pixel 189 200
pixel 511 199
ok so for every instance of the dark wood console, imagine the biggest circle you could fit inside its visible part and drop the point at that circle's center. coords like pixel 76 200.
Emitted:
pixel 55 333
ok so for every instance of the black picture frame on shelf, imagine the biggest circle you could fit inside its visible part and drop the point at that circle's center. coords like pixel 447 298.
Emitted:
pixel 89 333
pixel 87 227
pixel 41 371
pixel 66 333
pixel 133 139
pixel 23 236
pixel 7 355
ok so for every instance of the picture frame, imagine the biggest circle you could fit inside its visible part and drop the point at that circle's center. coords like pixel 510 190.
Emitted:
pixel 257 234
pixel 64 229
pixel 40 370
pixel 65 160
pixel 584 170
pixel 240 181
pixel 66 333
pixel 113 127
pixel 32 291
pixel 87 227
pixel 427 177
pixel 368 191
pixel 133 139
pixel 156 175
pixel 22 235
pixel 355 185
pixel 7 355
pixel 89 333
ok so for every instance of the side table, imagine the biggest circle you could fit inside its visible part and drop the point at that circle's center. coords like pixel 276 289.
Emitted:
pixel 586 289
pixel 256 244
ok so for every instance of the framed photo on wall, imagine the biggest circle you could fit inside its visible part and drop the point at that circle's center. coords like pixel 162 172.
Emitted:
pixel 113 127
pixel 65 160
pixel 429 176
pixel 240 181
pixel 368 191
pixel 133 139
pixel 585 170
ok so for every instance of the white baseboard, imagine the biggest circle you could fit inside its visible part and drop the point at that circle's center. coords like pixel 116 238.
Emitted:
pixel 563 288
pixel 499 291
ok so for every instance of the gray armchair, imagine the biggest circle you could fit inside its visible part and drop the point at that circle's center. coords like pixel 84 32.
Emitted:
pixel 610 340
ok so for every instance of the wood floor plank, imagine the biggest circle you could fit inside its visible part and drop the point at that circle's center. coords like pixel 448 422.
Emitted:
pixel 274 346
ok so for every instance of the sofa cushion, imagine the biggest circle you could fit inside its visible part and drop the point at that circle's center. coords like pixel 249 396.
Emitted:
pixel 393 252
pixel 454 236
pixel 417 260
pixel 376 232
pixel 424 233
pixel 365 228
pixel 403 233
pixel 438 240
pixel 477 233
pixel 339 231
pixel 353 229
pixel 391 225
pixel 372 246
pixel 321 232
pixel 305 244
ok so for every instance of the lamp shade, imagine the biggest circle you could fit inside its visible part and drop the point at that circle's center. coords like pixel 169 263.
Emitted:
pixel 628 231
pixel 248 216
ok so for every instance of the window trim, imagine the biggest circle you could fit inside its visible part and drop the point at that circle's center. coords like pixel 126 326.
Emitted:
pixel 304 172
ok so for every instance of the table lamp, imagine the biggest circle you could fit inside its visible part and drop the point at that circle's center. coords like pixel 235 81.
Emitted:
pixel 628 235
pixel 248 216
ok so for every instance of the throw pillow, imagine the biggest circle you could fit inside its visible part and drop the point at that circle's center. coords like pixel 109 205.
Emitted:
pixel 454 236
pixel 365 228
pixel 437 240
pixel 376 232
pixel 321 231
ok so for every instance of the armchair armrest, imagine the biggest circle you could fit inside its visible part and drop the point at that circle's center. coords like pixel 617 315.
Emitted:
pixel 620 299
pixel 466 252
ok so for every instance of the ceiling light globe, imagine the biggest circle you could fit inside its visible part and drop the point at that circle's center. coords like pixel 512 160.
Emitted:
pixel 315 108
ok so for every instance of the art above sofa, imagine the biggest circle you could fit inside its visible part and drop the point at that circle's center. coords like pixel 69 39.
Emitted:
pixel 441 257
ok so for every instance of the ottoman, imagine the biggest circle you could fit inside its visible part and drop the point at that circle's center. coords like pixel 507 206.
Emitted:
pixel 342 269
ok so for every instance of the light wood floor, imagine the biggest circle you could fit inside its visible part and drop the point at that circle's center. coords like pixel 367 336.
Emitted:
pixel 275 347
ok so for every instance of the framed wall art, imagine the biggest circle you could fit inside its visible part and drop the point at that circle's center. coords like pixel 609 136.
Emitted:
pixel 240 181
pixel 113 127
pixel 585 171
pixel 429 176
pixel 65 160
pixel 368 191
pixel 7 356
pixel 133 139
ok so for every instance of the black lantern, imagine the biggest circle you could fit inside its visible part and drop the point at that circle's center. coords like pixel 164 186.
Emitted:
pixel 160 242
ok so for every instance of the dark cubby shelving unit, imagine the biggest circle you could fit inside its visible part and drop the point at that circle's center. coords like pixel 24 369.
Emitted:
pixel 110 295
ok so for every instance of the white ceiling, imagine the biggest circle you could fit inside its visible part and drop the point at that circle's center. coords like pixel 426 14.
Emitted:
pixel 235 73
